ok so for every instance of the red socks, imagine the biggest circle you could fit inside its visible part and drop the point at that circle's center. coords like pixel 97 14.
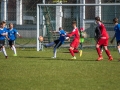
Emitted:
pixel 75 51
pixel 99 52
pixel 108 53
pixel 72 53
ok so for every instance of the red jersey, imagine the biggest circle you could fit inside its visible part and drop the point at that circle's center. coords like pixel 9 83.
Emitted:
pixel 75 33
pixel 104 33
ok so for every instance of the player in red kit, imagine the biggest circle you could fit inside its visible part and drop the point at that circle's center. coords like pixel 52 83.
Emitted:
pixel 102 40
pixel 75 43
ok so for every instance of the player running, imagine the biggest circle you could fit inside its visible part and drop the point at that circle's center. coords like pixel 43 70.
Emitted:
pixel 75 43
pixel 117 33
pixel 57 42
pixel 3 35
pixel 102 40
pixel 11 36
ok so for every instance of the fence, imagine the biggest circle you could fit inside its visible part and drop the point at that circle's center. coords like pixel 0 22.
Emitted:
pixel 23 14
pixel 53 16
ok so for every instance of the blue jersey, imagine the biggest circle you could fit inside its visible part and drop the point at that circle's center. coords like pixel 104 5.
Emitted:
pixel 62 36
pixel 12 34
pixel 117 32
pixel 2 31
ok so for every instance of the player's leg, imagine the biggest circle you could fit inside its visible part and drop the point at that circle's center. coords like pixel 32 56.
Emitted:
pixel 10 44
pixel 13 47
pixel 4 52
pixel 100 42
pixel 118 46
pixel 73 45
pixel 49 44
pixel 75 50
pixel 72 52
pixel 106 49
pixel 101 48
pixel 57 45
pixel 108 53
pixel 3 48
pixel 81 47
pixel 99 52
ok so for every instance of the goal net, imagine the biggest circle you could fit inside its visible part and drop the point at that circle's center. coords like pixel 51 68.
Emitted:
pixel 52 16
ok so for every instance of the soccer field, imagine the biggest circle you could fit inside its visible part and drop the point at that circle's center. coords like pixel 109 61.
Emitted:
pixel 32 70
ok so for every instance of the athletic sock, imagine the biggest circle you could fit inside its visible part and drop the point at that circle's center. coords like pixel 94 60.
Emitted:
pixel 108 53
pixel 14 49
pixel 4 51
pixel 75 51
pixel 99 52
pixel 119 50
pixel 55 52
pixel 72 53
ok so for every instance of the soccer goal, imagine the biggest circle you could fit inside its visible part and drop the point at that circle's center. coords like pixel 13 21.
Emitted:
pixel 52 16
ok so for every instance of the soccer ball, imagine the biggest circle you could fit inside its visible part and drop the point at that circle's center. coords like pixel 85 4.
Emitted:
pixel 40 38
pixel 84 34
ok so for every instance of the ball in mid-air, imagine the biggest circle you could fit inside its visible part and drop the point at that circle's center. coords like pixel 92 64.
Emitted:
pixel 40 38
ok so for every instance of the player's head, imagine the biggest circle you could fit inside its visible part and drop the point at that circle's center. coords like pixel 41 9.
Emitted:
pixel 115 20
pixel 4 23
pixel 1 25
pixel 74 23
pixel 97 19
pixel 60 28
pixel 10 25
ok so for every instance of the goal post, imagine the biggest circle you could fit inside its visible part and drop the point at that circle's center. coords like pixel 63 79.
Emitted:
pixel 69 13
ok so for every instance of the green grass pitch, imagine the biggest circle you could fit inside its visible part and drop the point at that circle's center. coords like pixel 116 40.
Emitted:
pixel 32 70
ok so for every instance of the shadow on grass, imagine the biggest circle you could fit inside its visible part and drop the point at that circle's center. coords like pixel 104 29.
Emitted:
pixel 61 59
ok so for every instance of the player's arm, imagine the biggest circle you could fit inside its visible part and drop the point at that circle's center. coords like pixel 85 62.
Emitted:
pixel 97 33
pixel 112 39
pixel 7 36
pixel 17 33
pixel 71 34
pixel 4 34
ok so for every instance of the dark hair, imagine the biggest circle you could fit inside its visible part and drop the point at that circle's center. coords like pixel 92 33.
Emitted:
pixel 115 20
pixel 60 28
pixel 74 22
pixel 97 18
pixel 3 22
pixel 10 24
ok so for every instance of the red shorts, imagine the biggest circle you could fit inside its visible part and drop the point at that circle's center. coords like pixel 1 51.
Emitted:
pixel 103 42
pixel 74 43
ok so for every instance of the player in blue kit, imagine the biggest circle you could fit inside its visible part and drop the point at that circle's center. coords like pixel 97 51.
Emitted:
pixel 57 42
pixel 3 35
pixel 11 36
pixel 117 33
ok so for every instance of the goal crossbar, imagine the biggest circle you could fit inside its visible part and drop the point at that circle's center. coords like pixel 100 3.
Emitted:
pixel 93 4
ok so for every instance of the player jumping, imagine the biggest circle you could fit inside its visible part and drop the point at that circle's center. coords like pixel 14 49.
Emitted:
pixel 11 36
pixel 103 40
pixel 117 33
pixel 75 43
pixel 3 35
pixel 57 42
